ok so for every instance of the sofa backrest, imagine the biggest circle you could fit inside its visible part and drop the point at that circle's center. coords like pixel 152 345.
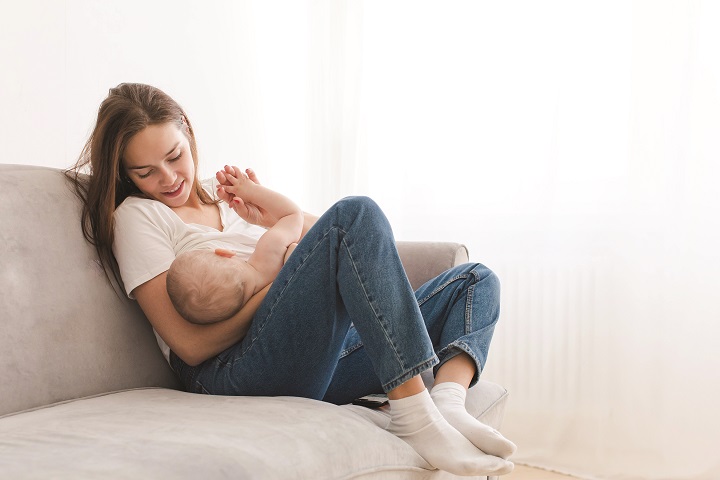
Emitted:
pixel 64 331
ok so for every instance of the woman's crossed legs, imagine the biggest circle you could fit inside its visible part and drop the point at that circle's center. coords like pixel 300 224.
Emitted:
pixel 346 267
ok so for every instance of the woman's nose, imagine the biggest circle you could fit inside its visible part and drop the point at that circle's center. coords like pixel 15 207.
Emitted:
pixel 168 176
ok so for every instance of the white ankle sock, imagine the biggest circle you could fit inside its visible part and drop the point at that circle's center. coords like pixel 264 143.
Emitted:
pixel 449 397
pixel 417 421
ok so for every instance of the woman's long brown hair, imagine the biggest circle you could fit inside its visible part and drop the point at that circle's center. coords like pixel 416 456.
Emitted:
pixel 99 179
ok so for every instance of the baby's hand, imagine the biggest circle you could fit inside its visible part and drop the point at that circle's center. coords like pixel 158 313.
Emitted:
pixel 233 187
pixel 233 182
pixel 224 180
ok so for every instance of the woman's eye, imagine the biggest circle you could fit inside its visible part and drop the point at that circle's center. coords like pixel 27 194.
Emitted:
pixel 145 175
pixel 176 158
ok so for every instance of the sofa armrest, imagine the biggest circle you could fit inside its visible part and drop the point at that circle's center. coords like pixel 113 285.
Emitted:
pixel 426 260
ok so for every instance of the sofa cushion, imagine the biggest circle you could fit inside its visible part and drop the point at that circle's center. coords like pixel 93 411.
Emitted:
pixel 163 433
pixel 66 334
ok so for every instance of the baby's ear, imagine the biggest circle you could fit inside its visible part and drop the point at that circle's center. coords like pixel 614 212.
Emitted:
pixel 224 253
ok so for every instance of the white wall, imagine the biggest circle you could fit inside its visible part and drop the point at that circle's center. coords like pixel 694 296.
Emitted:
pixel 58 60
pixel 574 147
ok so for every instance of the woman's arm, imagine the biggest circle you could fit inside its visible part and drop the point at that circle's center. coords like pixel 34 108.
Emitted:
pixel 193 343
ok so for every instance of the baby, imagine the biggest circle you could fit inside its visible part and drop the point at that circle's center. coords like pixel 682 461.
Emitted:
pixel 208 286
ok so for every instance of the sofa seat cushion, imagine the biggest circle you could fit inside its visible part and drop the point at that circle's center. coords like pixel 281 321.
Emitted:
pixel 165 433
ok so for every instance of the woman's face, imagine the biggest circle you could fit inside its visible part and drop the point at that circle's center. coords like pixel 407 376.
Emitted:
pixel 159 162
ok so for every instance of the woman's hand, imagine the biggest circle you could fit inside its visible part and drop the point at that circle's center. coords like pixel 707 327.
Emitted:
pixel 231 183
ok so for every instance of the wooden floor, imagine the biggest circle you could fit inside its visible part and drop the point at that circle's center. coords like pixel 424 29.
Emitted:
pixel 528 473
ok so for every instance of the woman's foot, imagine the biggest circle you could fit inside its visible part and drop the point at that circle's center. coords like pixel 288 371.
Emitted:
pixel 417 421
pixel 449 397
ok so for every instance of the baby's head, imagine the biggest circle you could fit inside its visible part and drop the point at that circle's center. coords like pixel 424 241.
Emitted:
pixel 206 288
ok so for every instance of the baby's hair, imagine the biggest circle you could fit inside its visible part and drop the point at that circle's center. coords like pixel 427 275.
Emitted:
pixel 204 288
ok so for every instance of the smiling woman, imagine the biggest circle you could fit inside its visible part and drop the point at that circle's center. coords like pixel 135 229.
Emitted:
pixel 352 331
pixel 167 174
pixel 168 177
pixel 161 175
pixel 155 156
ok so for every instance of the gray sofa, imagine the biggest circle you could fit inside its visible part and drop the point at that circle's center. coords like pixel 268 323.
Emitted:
pixel 86 393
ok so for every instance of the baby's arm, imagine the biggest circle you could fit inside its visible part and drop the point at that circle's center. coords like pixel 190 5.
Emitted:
pixel 270 251
pixel 290 249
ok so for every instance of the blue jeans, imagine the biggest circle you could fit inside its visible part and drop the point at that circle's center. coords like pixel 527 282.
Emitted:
pixel 341 320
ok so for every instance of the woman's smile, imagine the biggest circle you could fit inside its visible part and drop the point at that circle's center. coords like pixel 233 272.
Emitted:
pixel 159 162
pixel 175 192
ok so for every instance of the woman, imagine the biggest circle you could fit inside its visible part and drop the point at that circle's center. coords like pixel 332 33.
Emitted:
pixel 340 320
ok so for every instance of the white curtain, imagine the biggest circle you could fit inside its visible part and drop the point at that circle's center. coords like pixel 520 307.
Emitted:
pixel 309 64
pixel 573 147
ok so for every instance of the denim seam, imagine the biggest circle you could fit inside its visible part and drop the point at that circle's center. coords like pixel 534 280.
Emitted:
pixel 468 309
pixel 350 350
pixel 202 387
pixel 413 372
pixel 370 303
pixel 279 295
pixel 464 347
pixel 222 363
pixel 462 276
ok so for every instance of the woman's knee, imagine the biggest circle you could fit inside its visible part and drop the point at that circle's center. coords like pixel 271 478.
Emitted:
pixel 358 203
pixel 487 279
pixel 362 209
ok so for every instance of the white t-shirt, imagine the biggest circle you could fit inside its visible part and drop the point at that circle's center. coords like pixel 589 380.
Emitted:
pixel 149 235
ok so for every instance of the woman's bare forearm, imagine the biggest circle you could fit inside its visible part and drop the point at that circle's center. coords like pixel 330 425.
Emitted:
pixel 193 343
pixel 227 333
